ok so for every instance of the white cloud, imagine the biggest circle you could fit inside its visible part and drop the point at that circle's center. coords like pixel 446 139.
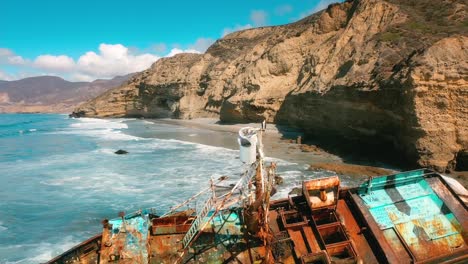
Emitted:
pixel 112 60
pixel 283 10
pixel 55 63
pixel 259 17
pixel 79 77
pixel 17 60
pixel 109 61
pixel 202 44
pixel 237 27
pixel 7 56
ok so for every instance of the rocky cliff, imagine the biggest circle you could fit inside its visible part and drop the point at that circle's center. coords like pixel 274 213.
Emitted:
pixel 391 71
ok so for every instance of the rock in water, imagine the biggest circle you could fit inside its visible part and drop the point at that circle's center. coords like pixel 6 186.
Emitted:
pixel 121 151
pixel 279 180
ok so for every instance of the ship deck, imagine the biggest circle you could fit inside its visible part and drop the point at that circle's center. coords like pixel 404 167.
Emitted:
pixel 410 217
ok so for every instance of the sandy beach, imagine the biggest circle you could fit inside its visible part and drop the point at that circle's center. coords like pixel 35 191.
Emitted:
pixel 278 142
pixel 281 143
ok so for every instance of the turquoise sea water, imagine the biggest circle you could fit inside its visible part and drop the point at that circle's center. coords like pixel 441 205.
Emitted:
pixel 59 177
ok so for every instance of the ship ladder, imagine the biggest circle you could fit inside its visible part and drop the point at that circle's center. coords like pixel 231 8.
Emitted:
pixel 201 221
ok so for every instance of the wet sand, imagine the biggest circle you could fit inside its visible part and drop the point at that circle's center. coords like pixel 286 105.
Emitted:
pixel 350 169
pixel 280 143
pixel 275 145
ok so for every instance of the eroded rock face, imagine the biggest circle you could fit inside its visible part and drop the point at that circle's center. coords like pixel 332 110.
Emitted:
pixel 372 70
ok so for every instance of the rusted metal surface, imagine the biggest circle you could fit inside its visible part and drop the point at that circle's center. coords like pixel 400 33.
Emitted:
pixel 384 250
pixel 86 252
pixel 165 248
pixel 323 183
pixel 125 239
pixel 292 219
pixel 321 192
pixel 355 233
pixel 311 239
pixel 394 240
pixel 178 224
pixel 299 220
pixel 403 218
pixel 224 239
pixel 342 252
pixel 456 206
pixel 316 258
pixel 414 214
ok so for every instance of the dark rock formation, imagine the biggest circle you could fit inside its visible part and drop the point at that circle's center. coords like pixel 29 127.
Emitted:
pixel 121 152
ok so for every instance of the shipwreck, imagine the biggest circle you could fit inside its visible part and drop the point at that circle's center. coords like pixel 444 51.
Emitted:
pixel 409 217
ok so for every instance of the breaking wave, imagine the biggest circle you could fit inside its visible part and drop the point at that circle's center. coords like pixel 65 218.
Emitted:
pixel 68 179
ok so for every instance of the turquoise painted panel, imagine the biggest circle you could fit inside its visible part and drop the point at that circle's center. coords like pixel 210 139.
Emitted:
pixel 383 196
pixel 407 203
pixel 136 230
pixel 398 179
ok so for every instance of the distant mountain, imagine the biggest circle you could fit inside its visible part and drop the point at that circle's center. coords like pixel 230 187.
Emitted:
pixel 51 93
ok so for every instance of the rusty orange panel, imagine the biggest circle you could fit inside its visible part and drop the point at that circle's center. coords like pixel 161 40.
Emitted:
pixel 324 183
pixel 353 230
pixel 299 245
pixel 311 239
pixel 321 193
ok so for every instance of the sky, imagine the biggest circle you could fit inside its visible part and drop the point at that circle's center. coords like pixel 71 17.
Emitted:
pixel 89 39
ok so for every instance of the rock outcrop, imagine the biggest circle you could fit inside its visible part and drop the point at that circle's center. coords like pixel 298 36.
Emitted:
pixel 392 71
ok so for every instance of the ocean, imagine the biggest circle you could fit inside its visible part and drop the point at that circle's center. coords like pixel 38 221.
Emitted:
pixel 59 177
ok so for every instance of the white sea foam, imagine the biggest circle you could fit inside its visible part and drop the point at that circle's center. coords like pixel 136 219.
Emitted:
pixel 293 179
pixel 91 180
pixel 106 134
pixel 62 181
pixel 105 151
pixel 101 128
pixel 279 161
pixel 39 253
pixel 2 227
pixel 95 123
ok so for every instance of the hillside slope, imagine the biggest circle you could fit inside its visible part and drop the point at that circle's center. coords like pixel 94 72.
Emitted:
pixel 51 93
pixel 375 71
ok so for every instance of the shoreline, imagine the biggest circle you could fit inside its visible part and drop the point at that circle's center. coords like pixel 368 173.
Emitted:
pixel 280 143
pixel 278 146
pixel 275 145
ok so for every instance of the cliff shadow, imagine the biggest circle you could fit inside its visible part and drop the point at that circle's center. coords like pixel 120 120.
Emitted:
pixel 361 127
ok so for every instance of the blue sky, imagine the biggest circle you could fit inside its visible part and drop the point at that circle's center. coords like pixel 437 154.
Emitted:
pixel 84 40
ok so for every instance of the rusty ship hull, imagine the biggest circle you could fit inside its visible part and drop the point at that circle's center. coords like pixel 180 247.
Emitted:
pixel 409 217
